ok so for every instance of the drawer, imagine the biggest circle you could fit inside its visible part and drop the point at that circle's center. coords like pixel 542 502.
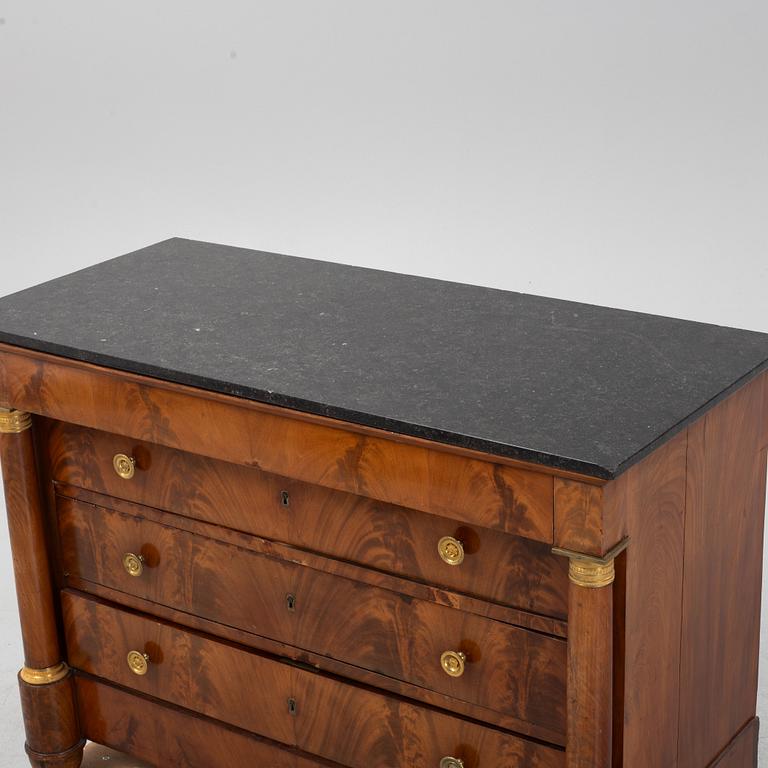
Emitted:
pixel 327 717
pixel 165 735
pixel 514 671
pixel 496 566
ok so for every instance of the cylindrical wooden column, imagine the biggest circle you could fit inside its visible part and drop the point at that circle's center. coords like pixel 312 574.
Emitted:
pixel 47 692
pixel 590 658
pixel 30 559
pixel 590 665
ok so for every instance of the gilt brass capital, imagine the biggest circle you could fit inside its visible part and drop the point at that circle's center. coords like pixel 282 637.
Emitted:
pixel 592 575
pixel 591 571
pixel 44 676
pixel 12 422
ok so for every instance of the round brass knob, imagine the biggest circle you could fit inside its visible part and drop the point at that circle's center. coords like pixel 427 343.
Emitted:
pixel 125 466
pixel 133 564
pixel 452 663
pixel 451 762
pixel 451 550
pixel 138 662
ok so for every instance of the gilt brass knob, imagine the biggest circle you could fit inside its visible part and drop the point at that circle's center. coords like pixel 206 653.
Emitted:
pixel 125 466
pixel 451 550
pixel 138 662
pixel 133 564
pixel 452 663
pixel 451 762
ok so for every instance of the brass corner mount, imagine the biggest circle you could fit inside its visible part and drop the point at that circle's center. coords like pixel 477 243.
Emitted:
pixel 12 421
pixel 591 571
pixel 44 676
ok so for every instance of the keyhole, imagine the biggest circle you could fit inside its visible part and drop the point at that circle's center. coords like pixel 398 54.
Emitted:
pixel 292 706
pixel 285 499
pixel 290 602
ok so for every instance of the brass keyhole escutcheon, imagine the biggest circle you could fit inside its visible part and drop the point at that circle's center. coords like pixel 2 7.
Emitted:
pixel 452 663
pixel 124 465
pixel 451 762
pixel 133 564
pixel 285 498
pixel 451 550
pixel 138 662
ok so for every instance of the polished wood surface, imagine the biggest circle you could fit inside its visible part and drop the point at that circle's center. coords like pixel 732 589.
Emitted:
pixel 371 628
pixel 323 663
pixel 25 510
pixel 278 551
pixel 51 723
pixel 590 677
pixel 98 756
pixel 499 567
pixel 412 473
pixel 651 498
pixel 296 707
pixel 725 497
pixel 693 511
pixel 52 732
pixel 742 751
pixel 164 735
pixel 579 520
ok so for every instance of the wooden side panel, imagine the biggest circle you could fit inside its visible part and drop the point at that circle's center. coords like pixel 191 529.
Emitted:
pixel 742 751
pixel 723 571
pixel 411 473
pixel 651 498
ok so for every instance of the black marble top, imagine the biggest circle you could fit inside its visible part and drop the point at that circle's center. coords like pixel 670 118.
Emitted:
pixel 563 384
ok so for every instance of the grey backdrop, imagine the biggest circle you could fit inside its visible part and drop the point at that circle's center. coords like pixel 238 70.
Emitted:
pixel 602 151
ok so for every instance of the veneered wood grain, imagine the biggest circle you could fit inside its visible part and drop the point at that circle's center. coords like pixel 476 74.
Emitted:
pixel 280 551
pixel 590 677
pixel 330 718
pixel 723 556
pixel 50 721
pixel 497 566
pixel 511 670
pixel 579 517
pixel 26 528
pixel 370 463
pixel 764 436
pixel 51 724
pixel 619 651
pixel 584 521
pixel 319 663
pixel 165 735
pixel 651 498
pixel 390 733
pixel 742 751
pixel 95 755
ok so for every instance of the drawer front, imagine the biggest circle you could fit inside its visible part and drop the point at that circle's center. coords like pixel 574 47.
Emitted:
pixel 166 735
pixel 323 716
pixel 516 672
pixel 506 569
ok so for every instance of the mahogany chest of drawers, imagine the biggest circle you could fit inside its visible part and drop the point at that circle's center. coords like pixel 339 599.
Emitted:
pixel 266 511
